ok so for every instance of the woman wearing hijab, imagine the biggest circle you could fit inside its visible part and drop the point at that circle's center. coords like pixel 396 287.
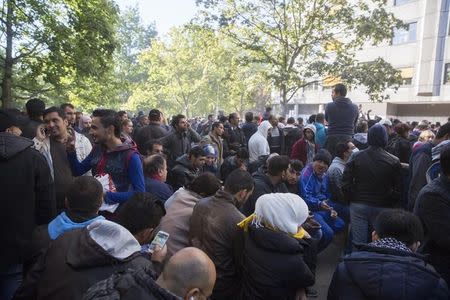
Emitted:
pixel 279 255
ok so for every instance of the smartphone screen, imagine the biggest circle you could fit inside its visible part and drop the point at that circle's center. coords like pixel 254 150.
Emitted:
pixel 159 240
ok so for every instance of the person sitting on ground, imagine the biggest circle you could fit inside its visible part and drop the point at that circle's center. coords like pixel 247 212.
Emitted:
pixel 231 163
pixel 179 210
pixel 187 167
pixel 270 181
pixel 79 258
pixel 211 159
pixel 305 148
pixel 314 187
pixel 433 209
pixel 293 176
pixel 155 172
pixel 388 267
pixel 258 144
pixel 221 239
pixel 83 200
pixel 279 257
pixel 189 274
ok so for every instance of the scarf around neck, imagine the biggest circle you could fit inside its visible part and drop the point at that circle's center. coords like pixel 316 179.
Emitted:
pixel 390 243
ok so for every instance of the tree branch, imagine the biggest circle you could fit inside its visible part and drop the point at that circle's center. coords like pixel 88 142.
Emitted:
pixel 27 53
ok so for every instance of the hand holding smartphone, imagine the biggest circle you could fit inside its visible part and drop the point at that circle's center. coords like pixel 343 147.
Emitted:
pixel 159 241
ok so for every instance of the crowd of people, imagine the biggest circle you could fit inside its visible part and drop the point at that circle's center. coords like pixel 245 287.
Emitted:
pixel 247 205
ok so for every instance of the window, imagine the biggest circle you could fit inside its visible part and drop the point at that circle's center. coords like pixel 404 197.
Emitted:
pixel 407 75
pixel 447 74
pixel 401 2
pixel 313 86
pixel 402 36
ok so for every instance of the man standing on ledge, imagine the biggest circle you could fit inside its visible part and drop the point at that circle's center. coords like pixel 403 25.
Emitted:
pixel 341 115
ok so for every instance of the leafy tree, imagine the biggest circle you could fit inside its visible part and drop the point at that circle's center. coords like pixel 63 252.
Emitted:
pixel 302 40
pixel 51 46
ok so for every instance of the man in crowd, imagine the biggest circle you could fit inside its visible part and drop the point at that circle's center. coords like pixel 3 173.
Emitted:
pixel 291 134
pixel 388 267
pixel 231 163
pixel 111 157
pixel 274 136
pixel 52 144
pixel 69 111
pixel 421 160
pixel 433 208
pixel 152 147
pixel 234 135
pixel 258 145
pixel 321 131
pixel 271 181
pixel 360 137
pixel 371 182
pixel 28 199
pixel 221 240
pixel 341 115
pixel 189 274
pixel 187 167
pixel 249 127
pixel 206 128
pixel 214 138
pixel 35 111
pixel 155 171
pixel 152 131
pixel 179 141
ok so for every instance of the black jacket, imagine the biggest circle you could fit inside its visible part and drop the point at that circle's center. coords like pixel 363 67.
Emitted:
pixel 235 139
pixel 129 285
pixel 183 173
pixel 275 265
pixel 433 208
pixel 176 144
pixel 378 273
pixel 372 177
pixel 150 132
pixel 400 147
pixel 263 185
pixel 28 197
pixel 73 263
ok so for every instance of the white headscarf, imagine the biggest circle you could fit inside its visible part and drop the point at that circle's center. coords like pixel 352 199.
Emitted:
pixel 283 211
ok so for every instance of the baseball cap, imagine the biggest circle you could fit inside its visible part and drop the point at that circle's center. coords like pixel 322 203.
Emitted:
pixel 9 118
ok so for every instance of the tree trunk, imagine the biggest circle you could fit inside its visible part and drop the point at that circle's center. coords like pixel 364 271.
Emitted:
pixel 284 101
pixel 8 63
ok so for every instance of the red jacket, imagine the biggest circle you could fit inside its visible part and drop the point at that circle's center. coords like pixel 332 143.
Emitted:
pixel 299 150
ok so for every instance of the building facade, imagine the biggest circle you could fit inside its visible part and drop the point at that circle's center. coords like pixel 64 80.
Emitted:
pixel 422 54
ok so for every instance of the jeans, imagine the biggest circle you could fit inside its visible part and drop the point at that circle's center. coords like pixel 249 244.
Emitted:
pixel 10 281
pixel 342 210
pixel 330 226
pixel 362 217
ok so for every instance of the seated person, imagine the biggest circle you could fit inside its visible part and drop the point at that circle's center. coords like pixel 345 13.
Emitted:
pixel 293 176
pixel 315 191
pixel 189 274
pixel 187 167
pixel 211 159
pixel 388 268
pixel 231 163
pixel 155 172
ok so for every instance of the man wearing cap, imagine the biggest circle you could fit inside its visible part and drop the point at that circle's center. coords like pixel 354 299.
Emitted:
pixel 314 187
pixel 28 199
pixel 152 131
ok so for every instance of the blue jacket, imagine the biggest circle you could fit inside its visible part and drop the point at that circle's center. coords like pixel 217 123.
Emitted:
pixel 379 273
pixel 321 134
pixel 158 188
pixel 63 223
pixel 341 115
pixel 314 189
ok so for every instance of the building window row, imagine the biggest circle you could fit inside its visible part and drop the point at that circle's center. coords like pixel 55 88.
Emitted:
pixel 405 35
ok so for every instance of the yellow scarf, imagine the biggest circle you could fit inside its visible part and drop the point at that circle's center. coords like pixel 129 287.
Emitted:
pixel 246 222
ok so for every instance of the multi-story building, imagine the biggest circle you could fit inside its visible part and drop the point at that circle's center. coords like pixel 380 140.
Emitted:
pixel 422 54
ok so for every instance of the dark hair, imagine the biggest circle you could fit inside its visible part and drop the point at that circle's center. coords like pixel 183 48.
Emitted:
pixel 232 116
pixel 237 181
pixel 300 120
pixel 35 107
pixel 154 164
pixel 291 120
pixel 154 115
pixel 399 224
pixel 312 119
pixel 197 152
pixel 85 194
pixel 176 119
pixel 206 184
pixel 216 125
pixel 121 113
pixel 109 117
pixel 210 116
pixel 362 127
pixel 249 116
pixel 443 130
pixel 414 124
pixel 55 109
pixel 281 119
pixel 445 160
pixel 65 105
pixel 320 117
pixel 340 89
pixel 222 119
pixel 402 128
pixel 296 165
pixel 268 108
pixel 277 164
pixel 148 146
pixel 242 153
pixel 141 211
pixel 341 148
